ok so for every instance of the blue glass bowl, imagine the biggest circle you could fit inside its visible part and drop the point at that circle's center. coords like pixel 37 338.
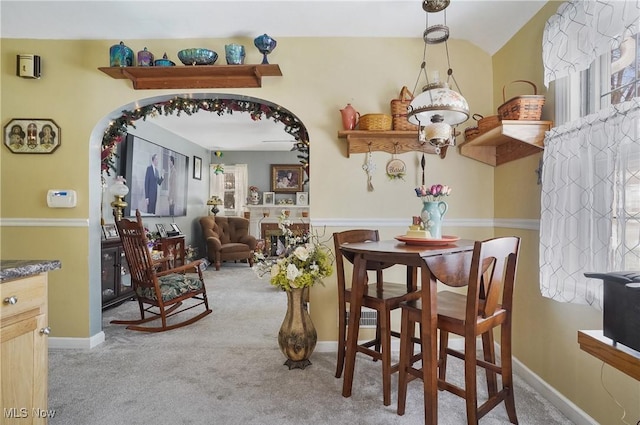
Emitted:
pixel 197 56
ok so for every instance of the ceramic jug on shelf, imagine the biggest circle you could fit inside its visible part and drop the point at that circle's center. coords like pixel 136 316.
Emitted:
pixel 350 117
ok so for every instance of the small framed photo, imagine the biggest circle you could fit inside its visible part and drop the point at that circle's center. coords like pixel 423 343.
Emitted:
pixel 197 168
pixel 161 230
pixel 110 231
pixel 302 198
pixel 287 178
pixel 32 135
pixel 175 228
pixel 268 198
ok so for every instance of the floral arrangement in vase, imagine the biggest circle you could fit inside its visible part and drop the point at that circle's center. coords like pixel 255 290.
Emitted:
pixel 433 193
pixel 301 262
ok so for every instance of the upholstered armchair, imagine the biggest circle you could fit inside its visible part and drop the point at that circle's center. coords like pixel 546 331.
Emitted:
pixel 227 238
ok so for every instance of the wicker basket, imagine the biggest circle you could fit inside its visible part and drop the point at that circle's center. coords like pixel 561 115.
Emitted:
pixel 471 132
pixel 525 107
pixel 375 122
pixel 487 123
pixel 399 111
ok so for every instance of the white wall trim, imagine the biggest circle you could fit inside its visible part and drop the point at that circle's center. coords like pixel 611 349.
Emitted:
pixel 515 223
pixel 44 222
pixel 64 343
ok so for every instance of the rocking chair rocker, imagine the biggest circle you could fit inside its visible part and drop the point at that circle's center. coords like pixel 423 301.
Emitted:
pixel 160 288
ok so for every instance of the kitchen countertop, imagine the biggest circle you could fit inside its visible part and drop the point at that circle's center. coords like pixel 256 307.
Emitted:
pixel 15 269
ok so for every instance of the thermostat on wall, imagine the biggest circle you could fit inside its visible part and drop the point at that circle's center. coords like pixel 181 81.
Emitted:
pixel 61 198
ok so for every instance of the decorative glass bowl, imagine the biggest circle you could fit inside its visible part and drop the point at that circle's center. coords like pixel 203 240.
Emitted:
pixel 197 56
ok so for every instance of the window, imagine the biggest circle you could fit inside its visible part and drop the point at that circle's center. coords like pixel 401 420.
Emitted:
pixel 230 186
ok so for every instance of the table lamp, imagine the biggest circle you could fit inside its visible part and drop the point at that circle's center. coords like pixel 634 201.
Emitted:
pixel 119 190
pixel 214 201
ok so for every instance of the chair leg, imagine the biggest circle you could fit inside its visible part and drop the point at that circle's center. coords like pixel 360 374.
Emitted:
pixel 378 334
pixel 470 388
pixel 406 350
pixel 442 356
pixel 342 326
pixel 490 357
pixel 507 371
pixel 385 347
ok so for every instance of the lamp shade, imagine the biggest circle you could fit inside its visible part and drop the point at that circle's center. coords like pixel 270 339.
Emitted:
pixel 437 132
pixel 214 200
pixel 119 188
pixel 438 99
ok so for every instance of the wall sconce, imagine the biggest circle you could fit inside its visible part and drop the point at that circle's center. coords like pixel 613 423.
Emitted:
pixel 119 190
pixel 215 201
pixel 28 66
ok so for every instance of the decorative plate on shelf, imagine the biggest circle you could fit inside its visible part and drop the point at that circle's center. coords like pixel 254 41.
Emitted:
pixel 446 239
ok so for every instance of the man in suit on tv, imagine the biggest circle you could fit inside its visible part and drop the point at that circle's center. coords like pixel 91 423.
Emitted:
pixel 152 180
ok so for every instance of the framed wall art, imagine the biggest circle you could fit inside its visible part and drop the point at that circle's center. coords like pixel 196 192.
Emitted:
pixel 302 198
pixel 197 168
pixel 110 231
pixel 268 198
pixel 32 135
pixel 287 178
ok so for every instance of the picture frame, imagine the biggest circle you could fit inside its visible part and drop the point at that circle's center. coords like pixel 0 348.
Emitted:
pixel 302 198
pixel 197 168
pixel 32 135
pixel 175 228
pixel 161 230
pixel 287 178
pixel 137 161
pixel 110 231
pixel 268 198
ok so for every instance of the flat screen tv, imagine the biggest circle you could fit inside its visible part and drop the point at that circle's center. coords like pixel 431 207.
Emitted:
pixel 157 178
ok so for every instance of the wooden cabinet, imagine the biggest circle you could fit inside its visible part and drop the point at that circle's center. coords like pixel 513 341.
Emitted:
pixel 509 141
pixel 23 350
pixel 194 77
pixel 398 141
pixel 116 279
pixel 172 247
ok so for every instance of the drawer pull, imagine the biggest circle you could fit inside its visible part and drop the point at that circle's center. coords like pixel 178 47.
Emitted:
pixel 45 331
pixel 11 300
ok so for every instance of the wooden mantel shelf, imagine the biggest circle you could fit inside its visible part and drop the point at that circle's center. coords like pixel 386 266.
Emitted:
pixel 360 141
pixel 194 77
pixel 509 141
pixel 617 355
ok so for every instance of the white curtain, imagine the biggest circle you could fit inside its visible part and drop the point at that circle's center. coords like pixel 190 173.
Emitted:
pixel 589 219
pixel 583 30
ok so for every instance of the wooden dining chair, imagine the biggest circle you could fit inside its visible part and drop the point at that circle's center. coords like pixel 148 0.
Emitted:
pixel 486 306
pixel 162 292
pixel 380 296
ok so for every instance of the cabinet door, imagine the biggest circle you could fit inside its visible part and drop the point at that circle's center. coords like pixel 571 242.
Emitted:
pixel 110 266
pixel 124 284
pixel 23 391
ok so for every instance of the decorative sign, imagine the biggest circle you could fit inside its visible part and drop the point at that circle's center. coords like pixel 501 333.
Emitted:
pixel 396 169
pixel 31 135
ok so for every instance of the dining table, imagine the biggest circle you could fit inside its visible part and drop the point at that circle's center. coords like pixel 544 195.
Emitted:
pixel 437 260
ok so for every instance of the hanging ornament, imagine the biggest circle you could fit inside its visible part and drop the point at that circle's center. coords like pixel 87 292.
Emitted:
pixel 396 168
pixel 218 169
pixel 218 154
pixel 369 167
pixel 423 162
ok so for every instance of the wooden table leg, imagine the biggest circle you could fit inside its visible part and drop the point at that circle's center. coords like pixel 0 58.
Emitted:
pixel 429 346
pixel 355 303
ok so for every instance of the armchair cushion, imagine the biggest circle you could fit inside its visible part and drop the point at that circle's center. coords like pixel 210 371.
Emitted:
pixel 227 238
pixel 171 286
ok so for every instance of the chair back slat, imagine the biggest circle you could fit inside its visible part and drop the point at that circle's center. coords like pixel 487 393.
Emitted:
pixel 136 251
pixel 351 236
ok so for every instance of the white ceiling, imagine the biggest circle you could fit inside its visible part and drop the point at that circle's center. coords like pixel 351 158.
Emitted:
pixel 487 24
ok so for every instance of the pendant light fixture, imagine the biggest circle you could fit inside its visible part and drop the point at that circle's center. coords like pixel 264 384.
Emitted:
pixel 438 107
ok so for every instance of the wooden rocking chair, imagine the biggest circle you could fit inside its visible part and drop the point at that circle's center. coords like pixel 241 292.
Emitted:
pixel 160 288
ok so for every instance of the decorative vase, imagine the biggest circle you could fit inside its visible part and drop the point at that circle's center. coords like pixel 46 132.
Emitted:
pixel 254 198
pixel 265 45
pixel 145 58
pixel 234 53
pixel 120 55
pixel 297 337
pixel 350 117
pixel 432 214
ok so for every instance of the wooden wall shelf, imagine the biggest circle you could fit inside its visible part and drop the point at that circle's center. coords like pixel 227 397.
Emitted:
pixel 194 77
pixel 617 355
pixel 359 141
pixel 509 141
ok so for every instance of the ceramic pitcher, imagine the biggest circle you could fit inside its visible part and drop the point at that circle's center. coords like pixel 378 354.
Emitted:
pixel 432 214
pixel 350 117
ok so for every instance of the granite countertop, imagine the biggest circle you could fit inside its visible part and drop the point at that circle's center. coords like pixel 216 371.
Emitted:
pixel 14 269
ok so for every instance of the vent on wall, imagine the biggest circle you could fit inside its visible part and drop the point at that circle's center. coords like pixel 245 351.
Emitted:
pixel 368 318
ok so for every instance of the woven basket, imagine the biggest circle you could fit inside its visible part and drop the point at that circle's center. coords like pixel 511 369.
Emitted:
pixel 525 107
pixel 487 123
pixel 471 132
pixel 375 122
pixel 399 110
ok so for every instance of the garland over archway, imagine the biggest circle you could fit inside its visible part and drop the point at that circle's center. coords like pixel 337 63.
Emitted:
pixel 118 128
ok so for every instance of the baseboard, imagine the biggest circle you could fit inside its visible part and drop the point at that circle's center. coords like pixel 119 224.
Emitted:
pixel 76 343
pixel 566 406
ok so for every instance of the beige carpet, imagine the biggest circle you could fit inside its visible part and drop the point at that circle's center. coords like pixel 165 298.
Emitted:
pixel 227 369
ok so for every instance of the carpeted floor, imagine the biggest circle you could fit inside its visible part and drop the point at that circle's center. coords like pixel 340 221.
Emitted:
pixel 227 369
